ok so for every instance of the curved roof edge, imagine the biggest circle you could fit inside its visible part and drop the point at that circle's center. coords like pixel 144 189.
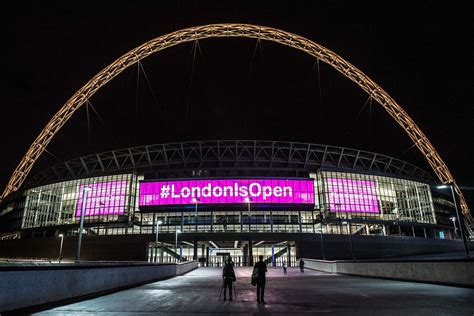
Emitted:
pixel 230 154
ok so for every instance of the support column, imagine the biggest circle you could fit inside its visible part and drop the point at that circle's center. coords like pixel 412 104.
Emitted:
pixel 207 256
pixel 299 221
pixel 202 253
pixel 424 232
pixel 288 255
pixel 250 253
pixel 273 256
pixel 245 250
pixel 212 221
pixel 161 252
pixel 195 253
pixel 413 231
pixel 271 221
pixel 241 222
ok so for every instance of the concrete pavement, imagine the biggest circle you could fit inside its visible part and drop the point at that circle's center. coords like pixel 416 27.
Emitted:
pixel 313 292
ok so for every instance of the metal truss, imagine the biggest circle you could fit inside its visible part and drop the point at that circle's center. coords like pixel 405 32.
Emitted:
pixel 231 154
pixel 233 30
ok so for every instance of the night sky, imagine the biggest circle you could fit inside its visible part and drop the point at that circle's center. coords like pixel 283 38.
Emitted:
pixel 421 54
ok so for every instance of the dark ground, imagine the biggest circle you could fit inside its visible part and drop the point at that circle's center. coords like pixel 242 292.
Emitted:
pixel 310 293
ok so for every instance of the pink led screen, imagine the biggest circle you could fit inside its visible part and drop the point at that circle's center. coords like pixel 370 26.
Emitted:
pixel 347 195
pixel 227 191
pixel 104 198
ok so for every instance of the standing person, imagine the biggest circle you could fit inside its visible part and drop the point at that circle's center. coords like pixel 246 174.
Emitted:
pixel 284 267
pixel 301 265
pixel 228 276
pixel 261 269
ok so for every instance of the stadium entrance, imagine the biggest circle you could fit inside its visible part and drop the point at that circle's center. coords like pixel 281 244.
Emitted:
pixel 214 253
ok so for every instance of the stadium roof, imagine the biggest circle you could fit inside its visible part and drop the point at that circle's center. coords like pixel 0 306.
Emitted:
pixel 230 154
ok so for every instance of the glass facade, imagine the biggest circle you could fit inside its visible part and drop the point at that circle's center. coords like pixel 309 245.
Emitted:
pixel 112 207
pixel 111 199
pixel 362 196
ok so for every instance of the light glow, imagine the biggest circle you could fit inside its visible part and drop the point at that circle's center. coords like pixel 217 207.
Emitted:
pixel 347 195
pixel 103 198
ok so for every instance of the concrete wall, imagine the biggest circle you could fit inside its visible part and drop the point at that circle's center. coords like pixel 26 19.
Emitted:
pixel 115 247
pixel 337 247
pixel 450 272
pixel 22 287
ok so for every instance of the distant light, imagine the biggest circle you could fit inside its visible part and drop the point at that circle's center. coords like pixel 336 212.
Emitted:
pixel 247 200
pixel 87 189
pixel 60 235
pixel 344 223
pixel 453 218
pixel 195 200
pixel 160 222
pixel 178 231
pixel 444 186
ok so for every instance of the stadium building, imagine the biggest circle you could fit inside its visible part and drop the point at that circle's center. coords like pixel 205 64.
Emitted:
pixel 204 200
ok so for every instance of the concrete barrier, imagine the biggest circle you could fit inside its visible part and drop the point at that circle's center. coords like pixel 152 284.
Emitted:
pixel 449 272
pixel 321 265
pixel 27 286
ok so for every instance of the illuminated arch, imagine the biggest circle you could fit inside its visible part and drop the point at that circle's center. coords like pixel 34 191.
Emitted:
pixel 232 30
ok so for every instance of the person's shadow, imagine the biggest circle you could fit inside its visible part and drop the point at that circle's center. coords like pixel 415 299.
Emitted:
pixel 262 310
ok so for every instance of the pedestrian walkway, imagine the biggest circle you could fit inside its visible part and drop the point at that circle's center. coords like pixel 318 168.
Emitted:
pixel 296 293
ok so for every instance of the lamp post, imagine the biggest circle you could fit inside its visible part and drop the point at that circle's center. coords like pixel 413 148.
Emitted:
pixel 196 200
pixel 445 186
pixel 349 231
pixel 321 231
pixel 453 219
pixel 398 222
pixel 176 244
pixel 158 223
pixel 61 247
pixel 81 225
pixel 248 200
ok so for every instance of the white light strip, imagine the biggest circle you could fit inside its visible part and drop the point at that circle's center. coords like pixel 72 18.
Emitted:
pixel 236 243
pixel 259 243
pixel 212 243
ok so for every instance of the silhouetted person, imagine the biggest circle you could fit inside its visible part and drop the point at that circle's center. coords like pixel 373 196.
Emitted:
pixel 284 267
pixel 261 268
pixel 228 276
pixel 301 265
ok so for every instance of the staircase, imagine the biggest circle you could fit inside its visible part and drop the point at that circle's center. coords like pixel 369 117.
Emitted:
pixel 359 229
pixel 172 253
pixel 276 255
